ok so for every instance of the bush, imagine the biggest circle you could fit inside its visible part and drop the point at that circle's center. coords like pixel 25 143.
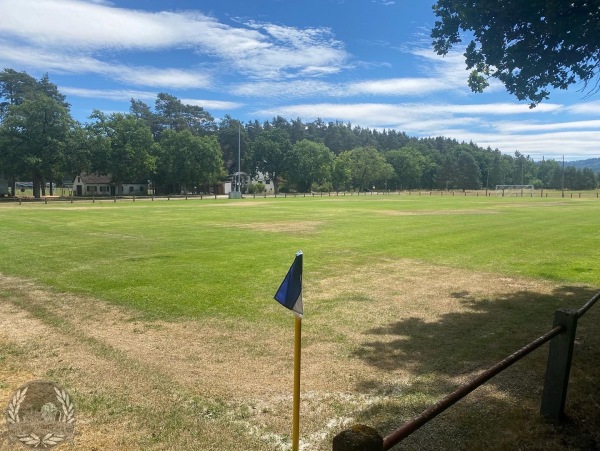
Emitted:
pixel 256 188
pixel 323 188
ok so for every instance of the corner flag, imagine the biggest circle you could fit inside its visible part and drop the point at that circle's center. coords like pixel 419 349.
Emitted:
pixel 289 293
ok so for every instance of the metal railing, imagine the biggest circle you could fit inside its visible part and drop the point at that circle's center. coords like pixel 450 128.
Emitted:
pixel 561 337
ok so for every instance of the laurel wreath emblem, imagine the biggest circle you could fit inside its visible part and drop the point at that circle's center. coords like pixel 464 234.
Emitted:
pixel 67 415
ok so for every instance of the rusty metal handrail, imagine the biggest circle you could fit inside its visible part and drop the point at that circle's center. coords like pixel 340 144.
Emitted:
pixel 588 305
pixel 411 426
pixel 408 428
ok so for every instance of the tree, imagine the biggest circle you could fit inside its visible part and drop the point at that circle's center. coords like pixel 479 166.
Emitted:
pixel 589 180
pixel 233 138
pixel 142 111
pixel 79 150
pixel 341 176
pixel 367 167
pixel 127 147
pixel 408 164
pixel 309 163
pixel 270 153
pixel 35 132
pixel 193 161
pixel 14 87
pixel 468 171
pixel 529 46
pixel 172 114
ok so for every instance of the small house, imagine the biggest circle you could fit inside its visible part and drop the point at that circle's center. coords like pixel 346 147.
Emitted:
pixel 102 185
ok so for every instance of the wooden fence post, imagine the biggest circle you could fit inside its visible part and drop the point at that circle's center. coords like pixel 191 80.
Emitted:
pixel 358 438
pixel 558 367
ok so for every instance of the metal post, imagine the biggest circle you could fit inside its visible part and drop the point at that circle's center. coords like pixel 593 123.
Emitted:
pixel 239 177
pixel 559 365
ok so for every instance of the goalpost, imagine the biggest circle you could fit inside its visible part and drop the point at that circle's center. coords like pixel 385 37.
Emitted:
pixel 514 190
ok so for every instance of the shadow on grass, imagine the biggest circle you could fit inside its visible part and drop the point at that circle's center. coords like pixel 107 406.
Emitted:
pixel 442 354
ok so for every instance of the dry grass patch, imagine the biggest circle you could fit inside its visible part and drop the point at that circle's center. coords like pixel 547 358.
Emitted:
pixel 295 227
pixel 435 212
pixel 380 342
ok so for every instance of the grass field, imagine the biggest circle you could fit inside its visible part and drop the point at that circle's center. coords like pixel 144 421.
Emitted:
pixel 158 316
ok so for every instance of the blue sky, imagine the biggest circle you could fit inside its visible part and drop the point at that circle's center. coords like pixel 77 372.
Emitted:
pixel 368 62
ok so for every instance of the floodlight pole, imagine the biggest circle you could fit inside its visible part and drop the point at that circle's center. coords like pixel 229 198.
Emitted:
pixel 239 177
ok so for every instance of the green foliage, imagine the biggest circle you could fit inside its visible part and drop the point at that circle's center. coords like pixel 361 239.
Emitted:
pixel 125 144
pixel 368 167
pixel 256 188
pixel 14 88
pixel 270 153
pixel 309 163
pixel 321 188
pixel 341 176
pixel 409 166
pixel 528 46
pixel 189 160
pixel 34 135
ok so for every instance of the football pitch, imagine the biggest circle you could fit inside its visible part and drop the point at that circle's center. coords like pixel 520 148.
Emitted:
pixel 159 316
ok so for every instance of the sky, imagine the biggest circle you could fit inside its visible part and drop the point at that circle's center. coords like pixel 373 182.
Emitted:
pixel 365 62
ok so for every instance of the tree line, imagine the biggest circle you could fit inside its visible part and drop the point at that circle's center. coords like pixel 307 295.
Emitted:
pixel 182 148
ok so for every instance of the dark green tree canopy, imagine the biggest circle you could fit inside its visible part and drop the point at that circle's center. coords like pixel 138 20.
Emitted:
pixel 530 46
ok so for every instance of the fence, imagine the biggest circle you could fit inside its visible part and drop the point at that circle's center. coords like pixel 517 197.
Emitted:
pixel 468 193
pixel 562 339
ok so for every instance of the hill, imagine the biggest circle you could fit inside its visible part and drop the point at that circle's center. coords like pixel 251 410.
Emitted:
pixel 592 163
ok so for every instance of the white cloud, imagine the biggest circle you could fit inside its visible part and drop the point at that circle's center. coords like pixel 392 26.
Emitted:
pixel 108 94
pixel 213 104
pixel 35 58
pixel 577 145
pixel 408 87
pixel 519 127
pixel 289 89
pixel 261 50
pixel 397 86
pixel 586 108
pixel 373 114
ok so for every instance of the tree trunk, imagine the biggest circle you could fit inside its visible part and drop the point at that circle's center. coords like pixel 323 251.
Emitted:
pixel 37 183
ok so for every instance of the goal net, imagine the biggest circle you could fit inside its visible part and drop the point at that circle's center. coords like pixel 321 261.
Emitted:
pixel 514 190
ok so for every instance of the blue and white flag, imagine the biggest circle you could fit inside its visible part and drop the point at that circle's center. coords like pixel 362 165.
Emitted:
pixel 290 292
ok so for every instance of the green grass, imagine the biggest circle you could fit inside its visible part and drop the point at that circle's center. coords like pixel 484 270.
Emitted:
pixel 196 258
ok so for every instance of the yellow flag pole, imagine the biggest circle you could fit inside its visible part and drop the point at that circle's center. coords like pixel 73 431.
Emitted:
pixel 296 415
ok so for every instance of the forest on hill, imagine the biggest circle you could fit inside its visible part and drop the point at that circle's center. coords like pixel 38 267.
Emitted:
pixel 590 163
